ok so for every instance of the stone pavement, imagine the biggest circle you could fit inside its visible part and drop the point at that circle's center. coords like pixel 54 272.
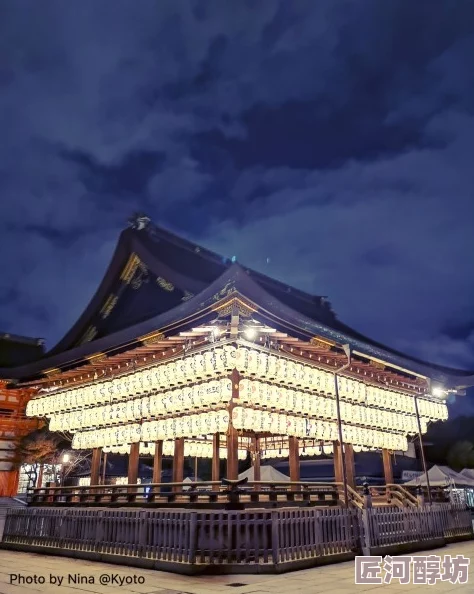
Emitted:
pixel 333 579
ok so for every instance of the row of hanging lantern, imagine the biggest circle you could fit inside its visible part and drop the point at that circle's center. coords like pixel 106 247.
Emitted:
pixel 312 450
pixel 262 395
pixel 108 436
pixel 192 449
pixel 201 396
pixel 184 426
pixel 215 361
pixel 280 424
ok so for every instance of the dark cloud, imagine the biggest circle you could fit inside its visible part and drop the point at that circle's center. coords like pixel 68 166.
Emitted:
pixel 326 143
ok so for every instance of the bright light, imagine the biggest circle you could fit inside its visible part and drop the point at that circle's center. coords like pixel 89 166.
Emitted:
pixel 438 392
pixel 66 458
pixel 250 333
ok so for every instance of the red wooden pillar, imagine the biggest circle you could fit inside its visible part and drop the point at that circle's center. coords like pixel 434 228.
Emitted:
pixel 157 462
pixel 95 465
pixel 215 457
pixel 232 453
pixel 350 465
pixel 178 462
pixel 39 481
pixel 294 460
pixel 387 466
pixel 232 436
pixel 256 461
pixel 133 461
pixel 337 462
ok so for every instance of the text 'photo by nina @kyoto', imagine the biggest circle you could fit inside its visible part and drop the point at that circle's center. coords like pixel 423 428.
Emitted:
pixel 183 357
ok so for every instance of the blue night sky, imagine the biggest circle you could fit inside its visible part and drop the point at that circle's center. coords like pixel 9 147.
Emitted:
pixel 326 143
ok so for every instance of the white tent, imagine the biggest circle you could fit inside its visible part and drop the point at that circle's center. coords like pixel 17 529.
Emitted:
pixel 442 476
pixel 267 473
pixel 468 473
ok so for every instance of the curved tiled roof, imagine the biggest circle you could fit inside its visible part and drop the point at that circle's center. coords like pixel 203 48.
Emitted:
pixel 156 280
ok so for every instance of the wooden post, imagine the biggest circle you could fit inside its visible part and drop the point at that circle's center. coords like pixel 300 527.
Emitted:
pixel 133 461
pixel 337 462
pixel 232 436
pixel 95 465
pixel 350 465
pixel 387 466
pixel 294 460
pixel 215 457
pixel 178 462
pixel 104 468
pixel 256 462
pixel 39 481
pixel 157 462
pixel 232 453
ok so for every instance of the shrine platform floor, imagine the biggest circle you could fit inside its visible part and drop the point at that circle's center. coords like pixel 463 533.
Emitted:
pixel 330 579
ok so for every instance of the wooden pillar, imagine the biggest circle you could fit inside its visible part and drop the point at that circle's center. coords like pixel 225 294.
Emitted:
pixel 95 465
pixel 157 462
pixel 337 462
pixel 215 457
pixel 350 465
pixel 133 461
pixel 39 480
pixel 387 466
pixel 178 462
pixel 294 460
pixel 232 453
pixel 256 461
pixel 232 437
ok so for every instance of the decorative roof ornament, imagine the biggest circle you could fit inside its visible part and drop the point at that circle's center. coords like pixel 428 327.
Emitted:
pixel 139 221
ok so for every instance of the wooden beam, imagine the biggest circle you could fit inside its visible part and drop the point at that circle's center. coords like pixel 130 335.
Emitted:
pixel 133 461
pixel 387 466
pixel 294 458
pixel 95 465
pixel 157 462
pixel 350 465
pixel 215 457
pixel 178 462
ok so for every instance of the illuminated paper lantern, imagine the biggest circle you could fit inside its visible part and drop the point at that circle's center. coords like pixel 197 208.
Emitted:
pixel 230 358
pixel 262 364
pixel 252 365
pixel 241 359
pixel 199 366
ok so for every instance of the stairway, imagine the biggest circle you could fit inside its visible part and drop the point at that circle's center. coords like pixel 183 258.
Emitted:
pixel 6 503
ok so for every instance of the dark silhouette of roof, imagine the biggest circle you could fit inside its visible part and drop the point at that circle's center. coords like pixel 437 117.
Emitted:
pixel 18 350
pixel 156 280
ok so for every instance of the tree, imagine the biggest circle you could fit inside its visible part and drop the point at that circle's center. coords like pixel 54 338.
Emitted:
pixel 47 449
pixel 461 455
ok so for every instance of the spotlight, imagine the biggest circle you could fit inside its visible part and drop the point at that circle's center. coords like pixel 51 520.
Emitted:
pixel 438 392
pixel 250 333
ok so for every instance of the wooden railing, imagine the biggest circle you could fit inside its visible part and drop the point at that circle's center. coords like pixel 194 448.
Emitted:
pixel 199 495
pixel 185 540
pixel 385 526
pixel 390 494
pixel 190 537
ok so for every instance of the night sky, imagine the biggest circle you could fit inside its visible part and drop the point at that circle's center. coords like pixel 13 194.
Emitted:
pixel 326 143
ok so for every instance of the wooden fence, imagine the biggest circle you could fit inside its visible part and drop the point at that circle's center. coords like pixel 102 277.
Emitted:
pixel 221 540
pixel 388 526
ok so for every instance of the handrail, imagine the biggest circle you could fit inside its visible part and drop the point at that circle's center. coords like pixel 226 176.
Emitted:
pixel 354 497
pixel 411 499
pixel 203 493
